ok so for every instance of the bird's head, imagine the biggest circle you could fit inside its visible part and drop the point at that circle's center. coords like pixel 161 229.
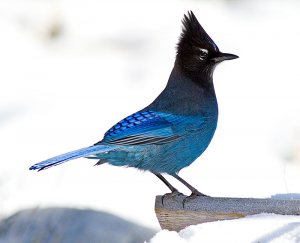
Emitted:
pixel 197 54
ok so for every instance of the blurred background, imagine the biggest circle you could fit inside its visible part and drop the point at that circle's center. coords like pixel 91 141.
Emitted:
pixel 72 69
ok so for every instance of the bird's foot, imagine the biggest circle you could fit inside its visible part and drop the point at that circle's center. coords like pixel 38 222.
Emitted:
pixel 195 194
pixel 171 196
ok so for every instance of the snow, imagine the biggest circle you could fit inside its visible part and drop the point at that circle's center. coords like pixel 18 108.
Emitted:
pixel 255 228
pixel 111 58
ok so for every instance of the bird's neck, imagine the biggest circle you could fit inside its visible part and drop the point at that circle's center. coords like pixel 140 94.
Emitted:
pixel 202 81
pixel 187 96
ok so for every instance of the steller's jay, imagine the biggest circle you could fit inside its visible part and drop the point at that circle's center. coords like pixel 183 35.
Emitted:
pixel 176 128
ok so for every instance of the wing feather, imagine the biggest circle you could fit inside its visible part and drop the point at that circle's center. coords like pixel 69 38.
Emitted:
pixel 142 128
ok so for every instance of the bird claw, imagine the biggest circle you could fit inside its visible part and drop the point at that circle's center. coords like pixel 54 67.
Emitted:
pixel 196 193
pixel 174 194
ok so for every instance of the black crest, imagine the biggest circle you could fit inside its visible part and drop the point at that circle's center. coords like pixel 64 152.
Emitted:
pixel 193 34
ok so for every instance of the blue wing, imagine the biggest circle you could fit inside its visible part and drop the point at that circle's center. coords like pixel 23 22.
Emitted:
pixel 144 127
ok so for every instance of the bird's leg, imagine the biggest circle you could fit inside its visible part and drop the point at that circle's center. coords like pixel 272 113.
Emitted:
pixel 172 188
pixel 174 191
pixel 194 191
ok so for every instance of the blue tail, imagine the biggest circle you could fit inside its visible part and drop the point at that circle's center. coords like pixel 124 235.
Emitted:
pixel 57 160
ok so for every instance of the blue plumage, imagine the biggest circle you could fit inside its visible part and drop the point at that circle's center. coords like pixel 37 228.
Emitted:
pixel 136 124
pixel 132 121
pixel 176 128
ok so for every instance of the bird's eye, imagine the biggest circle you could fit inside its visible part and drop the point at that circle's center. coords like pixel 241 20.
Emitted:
pixel 203 53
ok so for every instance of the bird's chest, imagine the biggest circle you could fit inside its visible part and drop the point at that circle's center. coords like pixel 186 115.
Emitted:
pixel 198 134
pixel 195 140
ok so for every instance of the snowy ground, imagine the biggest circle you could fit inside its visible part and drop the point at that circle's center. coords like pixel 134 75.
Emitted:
pixel 259 228
pixel 71 69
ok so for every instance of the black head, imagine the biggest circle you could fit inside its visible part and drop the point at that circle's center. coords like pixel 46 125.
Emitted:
pixel 197 54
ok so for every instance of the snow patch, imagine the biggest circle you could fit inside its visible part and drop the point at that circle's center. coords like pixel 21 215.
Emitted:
pixel 255 228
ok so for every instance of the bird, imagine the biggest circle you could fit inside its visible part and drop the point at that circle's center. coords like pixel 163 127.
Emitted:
pixel 177 127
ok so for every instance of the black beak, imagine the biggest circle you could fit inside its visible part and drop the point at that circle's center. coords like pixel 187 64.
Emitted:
pixel 223 56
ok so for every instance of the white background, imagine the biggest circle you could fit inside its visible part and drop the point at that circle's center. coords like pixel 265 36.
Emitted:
pixel 111 59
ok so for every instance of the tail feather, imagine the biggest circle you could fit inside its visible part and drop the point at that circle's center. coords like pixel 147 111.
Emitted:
pixel 57 160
